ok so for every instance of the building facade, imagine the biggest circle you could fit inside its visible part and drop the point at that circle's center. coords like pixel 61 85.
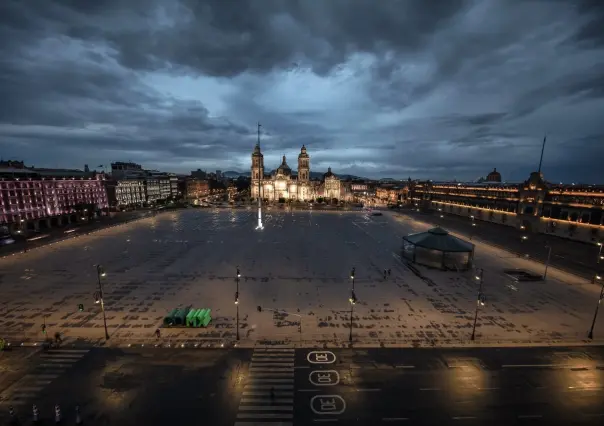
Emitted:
pixel 125 193
pixel 282 185
pixel 196 190
pixel 569 211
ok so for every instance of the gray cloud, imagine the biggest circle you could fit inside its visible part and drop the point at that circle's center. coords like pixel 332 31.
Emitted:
pixel 397 88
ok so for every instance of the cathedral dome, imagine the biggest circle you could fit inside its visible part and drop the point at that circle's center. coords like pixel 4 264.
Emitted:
pixel 494 176
pixel 329 173
pixel 303 153
pixel 284 169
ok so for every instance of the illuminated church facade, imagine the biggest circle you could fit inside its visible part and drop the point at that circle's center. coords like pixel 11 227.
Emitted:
pixel 281 184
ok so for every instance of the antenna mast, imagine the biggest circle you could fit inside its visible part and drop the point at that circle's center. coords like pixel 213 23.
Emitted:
pixel 542 149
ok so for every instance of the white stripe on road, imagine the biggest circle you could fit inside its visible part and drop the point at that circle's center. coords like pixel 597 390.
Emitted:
pixel 275 350
pixel 284 374
pixel 263 424
pixel 68 351
pixel 282 387
pixel 543 366
pixel 429 389
pixel 264 416
pixel 62 360
pixel 275 355
pixel 275 364
pixel 269 380
pixel 41 376
pixel 52 365
pixel 463 418
pixel 265 359
pixel 264 393
pixel 265 400
pixel 267 370
pixel 368 390
pixel 266 408
pixel 404 366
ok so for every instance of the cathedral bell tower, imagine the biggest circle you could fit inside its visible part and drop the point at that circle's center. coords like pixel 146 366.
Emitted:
pixel 257 171
pixel 303 165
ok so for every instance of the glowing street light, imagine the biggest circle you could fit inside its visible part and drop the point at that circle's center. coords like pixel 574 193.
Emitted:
pixel 600 257
pixel 479 301
pixel 237 277
pixel 100 272
pixel 353 300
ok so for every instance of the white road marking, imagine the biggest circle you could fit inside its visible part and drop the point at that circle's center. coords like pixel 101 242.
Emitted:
pixel 265 393
pixel 429 389
pixel 282 387
pixel 463 417
pixel 285 374
pixel 308 390
pixel 265 416
pixel 274 364
pixel 267 369
pixel 368 390
pixel 263 424
pixel 270 380
pixel 404 366
pixel 542 366
pixel 265 400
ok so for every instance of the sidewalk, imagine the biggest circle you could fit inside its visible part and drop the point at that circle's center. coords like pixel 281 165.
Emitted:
pixel 573 256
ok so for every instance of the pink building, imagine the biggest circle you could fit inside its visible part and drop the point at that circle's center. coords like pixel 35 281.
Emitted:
pixel 40 202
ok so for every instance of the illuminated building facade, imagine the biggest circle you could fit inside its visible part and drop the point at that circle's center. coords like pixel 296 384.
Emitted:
pixel 33 202
pixel 571 211
pixel 125 193
pixel 196 190
pixel 281 184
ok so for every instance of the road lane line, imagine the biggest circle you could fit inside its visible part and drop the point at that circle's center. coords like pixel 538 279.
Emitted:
pixel 429 389
pixel 270 380
pixel 308 390
pixel 404 366
pixel 463 417
pixel 543 366
pixel 368 390
pixel 278 374
pixel 281 387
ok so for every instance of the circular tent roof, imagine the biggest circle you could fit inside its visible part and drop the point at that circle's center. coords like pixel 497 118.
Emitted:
pixel 439 239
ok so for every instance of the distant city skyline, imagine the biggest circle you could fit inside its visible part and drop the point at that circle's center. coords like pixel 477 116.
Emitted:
pixel 376 89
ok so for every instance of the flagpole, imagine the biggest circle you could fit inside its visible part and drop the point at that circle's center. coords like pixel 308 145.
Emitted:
pixel 542 149
pixel 260 176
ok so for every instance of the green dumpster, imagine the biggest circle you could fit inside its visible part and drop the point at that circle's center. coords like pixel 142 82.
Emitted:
pixel 169 319
pixel 207 318
pixel 180 316
pixel 200 315
pixel 191 318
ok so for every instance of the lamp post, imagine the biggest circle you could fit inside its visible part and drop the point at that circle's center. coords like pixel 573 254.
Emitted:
pixel 479 302
pixel 593 323
pixel 100 272
pixel 600 257
pixel 352 277
pixel 353 301
pixel 237 299
pixel 549 255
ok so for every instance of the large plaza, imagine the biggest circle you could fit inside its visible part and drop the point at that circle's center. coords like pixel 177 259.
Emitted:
pixel 299 265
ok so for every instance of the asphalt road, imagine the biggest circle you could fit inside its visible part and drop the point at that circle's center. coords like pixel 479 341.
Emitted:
pixel 573 256
pixel 348 386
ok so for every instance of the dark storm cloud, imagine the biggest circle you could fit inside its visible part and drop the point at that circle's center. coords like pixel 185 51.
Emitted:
pixel 375 87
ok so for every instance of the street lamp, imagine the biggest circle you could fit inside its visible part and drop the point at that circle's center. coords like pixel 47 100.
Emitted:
pixel 593 323
pixel 100 272
pixel 549 255
pixel 353 301
pixel 352 277
pixel 237 299
pixel 600 257
pixel 479 301
pixel 524 238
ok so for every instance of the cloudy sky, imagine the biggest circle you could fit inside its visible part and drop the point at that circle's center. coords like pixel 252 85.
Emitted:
pixel 427 89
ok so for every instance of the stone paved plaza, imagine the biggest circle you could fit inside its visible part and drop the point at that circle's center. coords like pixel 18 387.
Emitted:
pixel 299 263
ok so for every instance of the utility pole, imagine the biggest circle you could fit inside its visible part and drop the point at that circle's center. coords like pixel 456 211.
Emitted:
pixel 237 299
pixel 542 149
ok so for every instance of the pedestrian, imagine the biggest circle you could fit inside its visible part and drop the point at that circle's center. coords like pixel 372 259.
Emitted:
pixel 58 338
pixel 78 420
pixel 35 413
pixel 385 273
pixel 389 271
pixel 57 414
pixel 157 333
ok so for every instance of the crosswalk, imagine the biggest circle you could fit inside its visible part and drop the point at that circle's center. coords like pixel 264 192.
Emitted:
pixel 268 393
pixel 54 363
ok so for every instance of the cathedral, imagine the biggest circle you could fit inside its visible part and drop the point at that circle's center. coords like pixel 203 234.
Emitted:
pixel 281 184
